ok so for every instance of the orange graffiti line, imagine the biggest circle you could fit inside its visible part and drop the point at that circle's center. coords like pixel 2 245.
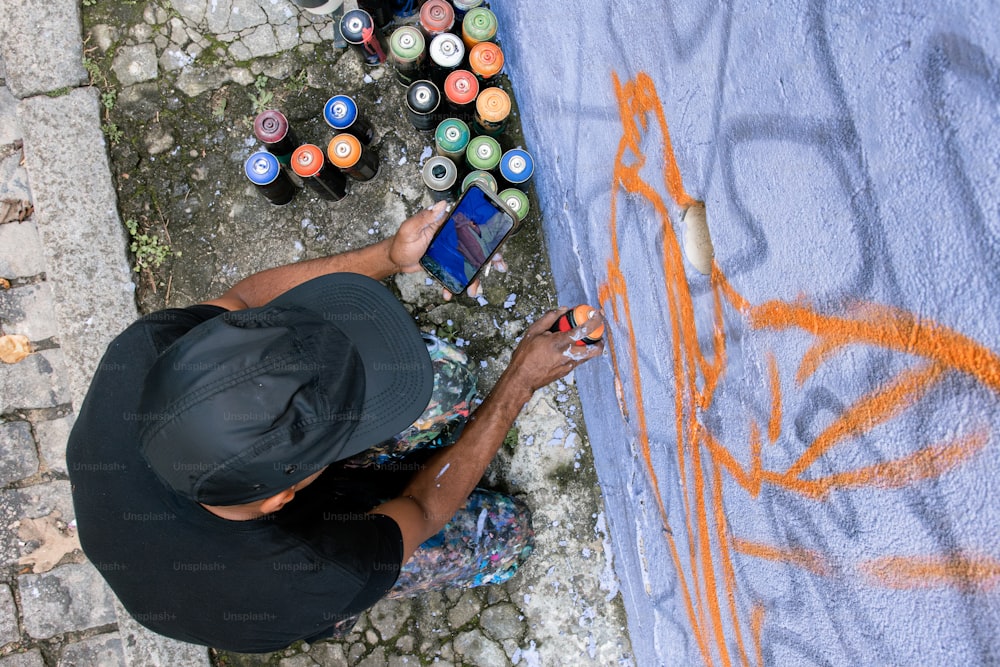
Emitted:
pixel 722 456
pixel 722 535
pixel 630 138
pixel 807 559
pixel 649 100
pixel 817 354
pixel 774 425
pixel 698 545
pixel 921 572
pixel 684 331
pixel 713 372
pixel 708 568
pixel 735 298
pixel 756 468
pixel 757 630
pixel 641 95
pixel 892 329
pixel 872 409
pixel 930 461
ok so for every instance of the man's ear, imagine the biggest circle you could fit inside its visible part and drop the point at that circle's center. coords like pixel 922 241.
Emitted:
pixel 277 501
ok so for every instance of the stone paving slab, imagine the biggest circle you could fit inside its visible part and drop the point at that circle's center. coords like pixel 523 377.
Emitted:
pixel 68 598
pixel 144 648
pixel 41 46
pixel 76 213
pixel 51 437
pixel 29 311
pixel 21 252
pixel 32 658
pixel 18 458
pixel 9 630
pixel 100 651
pixel 36 382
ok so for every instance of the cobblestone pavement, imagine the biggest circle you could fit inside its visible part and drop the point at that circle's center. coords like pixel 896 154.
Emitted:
pixel 66 288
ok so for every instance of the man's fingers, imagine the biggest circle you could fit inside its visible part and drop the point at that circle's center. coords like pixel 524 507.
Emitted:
pixel 498 263
pixel 545 322
pixel 435 216
pixel 595 322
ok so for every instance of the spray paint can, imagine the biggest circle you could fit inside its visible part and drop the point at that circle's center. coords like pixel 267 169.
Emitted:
pixel 575 317
pixel 342 114
pixel 436 17
pixel 447 53
pixel 478 25
pixel 309 162
pixel 492 110
pixel 516 167
pixel 517 201
pixel 380 11
pixel 461 88
pixel 462 7
pixel 263 170
pixel 440 176
pixel 271 129
pixel 348 155
pixel 484 178
pixel 422 101
pixel 483 152
pixel 404 9
pixel 407 54
pixel 486 61
pixel 359 30
pixel 451 139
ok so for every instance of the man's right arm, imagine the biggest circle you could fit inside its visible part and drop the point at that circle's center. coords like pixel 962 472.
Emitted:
pixel 443 485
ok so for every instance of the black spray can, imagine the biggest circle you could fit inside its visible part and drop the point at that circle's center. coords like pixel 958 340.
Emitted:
pixel 422 101
pixel 342 114
pixel 440 176
pixel 263 170
pixel 359 30
pixel 347 153
pixel 309 162
pixel 271 129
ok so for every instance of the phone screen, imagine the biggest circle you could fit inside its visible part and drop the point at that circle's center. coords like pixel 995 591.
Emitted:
pixel 475 229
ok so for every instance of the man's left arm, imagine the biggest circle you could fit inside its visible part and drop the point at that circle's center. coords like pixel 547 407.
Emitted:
pixel 400 253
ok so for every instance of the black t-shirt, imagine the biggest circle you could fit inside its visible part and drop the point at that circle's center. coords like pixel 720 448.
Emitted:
pixel 250 586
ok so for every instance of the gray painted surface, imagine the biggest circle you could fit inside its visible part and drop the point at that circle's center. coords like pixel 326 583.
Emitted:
pixel 847 156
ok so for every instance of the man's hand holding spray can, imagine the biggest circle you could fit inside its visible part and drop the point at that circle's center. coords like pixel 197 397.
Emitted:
pixel 573 318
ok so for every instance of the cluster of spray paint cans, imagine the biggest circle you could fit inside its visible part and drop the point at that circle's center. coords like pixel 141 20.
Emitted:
pixel 446 56
pixel 348 156
pixel 450 64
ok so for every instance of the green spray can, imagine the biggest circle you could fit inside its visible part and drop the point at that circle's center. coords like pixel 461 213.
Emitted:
pixel 483 153
pixel 484 178
pixel 451 139
pixel 407 54
pixel 517 201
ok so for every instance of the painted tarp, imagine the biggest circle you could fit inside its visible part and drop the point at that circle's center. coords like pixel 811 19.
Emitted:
pixel 800 449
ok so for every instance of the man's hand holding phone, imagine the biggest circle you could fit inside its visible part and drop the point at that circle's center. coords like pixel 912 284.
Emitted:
pixel 467 243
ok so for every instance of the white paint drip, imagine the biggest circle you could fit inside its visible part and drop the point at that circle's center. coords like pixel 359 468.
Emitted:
pixel 480 523
pixel 442 471
pixel 578 354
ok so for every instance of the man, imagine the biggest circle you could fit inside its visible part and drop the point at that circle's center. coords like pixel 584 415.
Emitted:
pixel 217 462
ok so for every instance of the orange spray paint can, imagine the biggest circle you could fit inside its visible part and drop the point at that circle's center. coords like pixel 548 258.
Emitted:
pixel 575 317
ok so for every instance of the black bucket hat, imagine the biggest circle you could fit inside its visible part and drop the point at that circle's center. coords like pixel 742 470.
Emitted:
pixel 250 402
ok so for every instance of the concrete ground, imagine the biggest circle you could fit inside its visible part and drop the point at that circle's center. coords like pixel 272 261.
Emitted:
pixel 176 84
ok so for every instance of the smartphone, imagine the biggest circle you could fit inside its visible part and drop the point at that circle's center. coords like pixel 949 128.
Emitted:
pixel 479 222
